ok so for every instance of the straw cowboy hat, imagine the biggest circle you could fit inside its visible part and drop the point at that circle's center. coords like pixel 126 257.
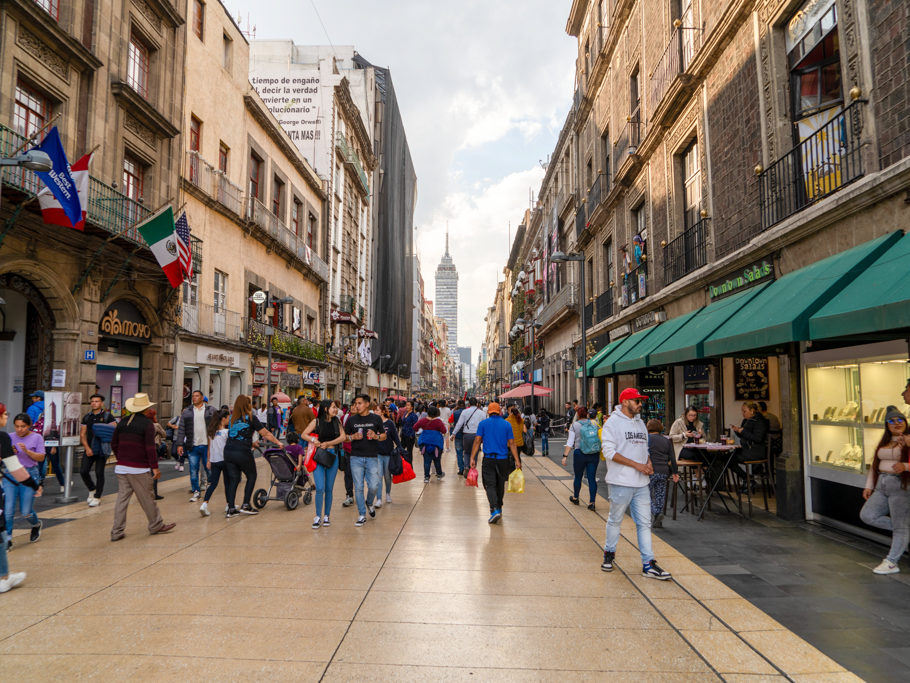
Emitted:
pixel 138 403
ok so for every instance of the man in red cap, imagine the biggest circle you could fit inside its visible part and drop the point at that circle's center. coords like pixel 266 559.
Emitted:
pixel 498 441
pixel 625 446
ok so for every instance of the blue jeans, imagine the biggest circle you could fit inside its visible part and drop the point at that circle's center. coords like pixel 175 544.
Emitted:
pixel 4 565
pixel 636 499
pixel 459 453
pixel 889 508
pixel 385 477
pixel 586 464
pixel 324 479
pixel 545 443
pixel 14 491
pixel 431 455
pixel 197 455
pixel 364 468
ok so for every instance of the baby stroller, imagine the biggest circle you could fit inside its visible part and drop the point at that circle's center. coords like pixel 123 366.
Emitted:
pixel 289 486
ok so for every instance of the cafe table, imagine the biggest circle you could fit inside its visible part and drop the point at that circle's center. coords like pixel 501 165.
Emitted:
pixel 716 452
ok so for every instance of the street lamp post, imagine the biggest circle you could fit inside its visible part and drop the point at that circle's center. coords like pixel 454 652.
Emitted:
pixel 561 257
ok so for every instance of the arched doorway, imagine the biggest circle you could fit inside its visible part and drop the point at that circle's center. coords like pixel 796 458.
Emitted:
pixel 26 340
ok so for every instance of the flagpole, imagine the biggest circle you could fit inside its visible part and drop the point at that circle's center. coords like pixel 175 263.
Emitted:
pixel 29 140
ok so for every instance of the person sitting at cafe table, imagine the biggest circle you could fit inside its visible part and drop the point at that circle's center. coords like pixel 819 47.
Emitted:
pixel 753 436
pixel 685 430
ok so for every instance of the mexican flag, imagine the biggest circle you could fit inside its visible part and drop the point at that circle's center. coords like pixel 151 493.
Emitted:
pixel 158 231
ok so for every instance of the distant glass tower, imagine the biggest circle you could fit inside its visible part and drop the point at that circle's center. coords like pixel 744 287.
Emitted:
pixel 447 298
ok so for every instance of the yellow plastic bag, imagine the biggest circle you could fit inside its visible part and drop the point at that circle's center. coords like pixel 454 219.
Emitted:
pixel 600 438
pixel 516 482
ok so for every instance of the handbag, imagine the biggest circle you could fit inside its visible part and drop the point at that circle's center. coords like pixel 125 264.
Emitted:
pixel 395 463
pixel 344 461
pixel 324 457
pixel 406 475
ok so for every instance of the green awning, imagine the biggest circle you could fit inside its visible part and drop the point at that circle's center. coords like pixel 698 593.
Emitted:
pixel 638 357
pixel 875 301
pixel 607 366
pixel 596 358
pixel 780 313
pixel 688 342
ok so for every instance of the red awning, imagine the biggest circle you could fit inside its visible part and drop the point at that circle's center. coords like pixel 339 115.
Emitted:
pixel 524 390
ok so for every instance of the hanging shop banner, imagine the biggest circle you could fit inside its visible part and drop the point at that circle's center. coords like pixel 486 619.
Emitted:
pixel 122 320
pixel 750 379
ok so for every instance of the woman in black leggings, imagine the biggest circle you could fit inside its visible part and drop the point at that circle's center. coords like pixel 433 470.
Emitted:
pixel 238 454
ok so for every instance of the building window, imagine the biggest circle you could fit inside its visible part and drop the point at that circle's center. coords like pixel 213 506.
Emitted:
pixel 813 54
pixel 634 96
pixel 52 7
pixel 133 177
pixel 199 19
pixel 31 111
pixel 137 70
pixel 691 186
pixel 191 290
pixel 223 151
pixel 296 210
pixel 255 176
pixel 311 328
pixel 195 133
pixel 278 197
pixel 311 231
pixel 227 49
pixel 609 275
pixel 220 293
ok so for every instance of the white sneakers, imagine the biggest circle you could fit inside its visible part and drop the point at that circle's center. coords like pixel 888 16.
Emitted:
pixel 378 503
pixel 195 497
pixel 886 567
pixel 204 510
pixel 316 522
pixel 92 501
pixel 11 581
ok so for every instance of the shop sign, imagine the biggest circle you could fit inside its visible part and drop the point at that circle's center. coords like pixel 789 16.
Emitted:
pixel 367 334
pixel 122 320
pixel 312 376
pixel 207 355
pixel 259 375
pixel 648 319
pixel 622 331
pixel 342 317
pixel 751 275
pixel 750 379
pixel 290 380
pixel 279 367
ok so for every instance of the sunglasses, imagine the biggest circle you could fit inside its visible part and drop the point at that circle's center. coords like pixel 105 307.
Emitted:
pixel 896 421
pixel 635 400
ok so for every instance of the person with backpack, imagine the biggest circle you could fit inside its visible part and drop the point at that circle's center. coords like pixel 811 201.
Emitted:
pixel 530 421
pixel 96 450
pixel 543 426
pixel 585 441
pixel 466 430
pixel 238 454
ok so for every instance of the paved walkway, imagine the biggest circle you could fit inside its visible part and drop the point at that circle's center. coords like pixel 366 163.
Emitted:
pixel 427 591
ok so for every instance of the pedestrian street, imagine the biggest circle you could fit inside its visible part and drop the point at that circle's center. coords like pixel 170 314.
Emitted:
pixel 426 591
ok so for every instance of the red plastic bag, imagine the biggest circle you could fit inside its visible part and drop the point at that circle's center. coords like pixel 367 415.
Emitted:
pixel 471 479
pixel 407 473
pixel 309 462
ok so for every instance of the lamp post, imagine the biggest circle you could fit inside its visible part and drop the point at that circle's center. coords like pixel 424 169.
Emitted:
pixel 562 257
pixel 344 378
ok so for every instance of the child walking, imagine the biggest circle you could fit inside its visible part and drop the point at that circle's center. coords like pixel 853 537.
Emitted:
pixel 663 460
pixel 217 433
pixel 431 442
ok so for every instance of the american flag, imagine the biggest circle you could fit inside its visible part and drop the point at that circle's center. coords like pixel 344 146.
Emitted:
pixel 184 250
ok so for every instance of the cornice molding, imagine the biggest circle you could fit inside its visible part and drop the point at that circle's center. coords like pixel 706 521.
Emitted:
pixel 143 110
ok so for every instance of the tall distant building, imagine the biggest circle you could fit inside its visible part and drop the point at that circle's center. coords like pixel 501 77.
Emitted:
pixel 447 298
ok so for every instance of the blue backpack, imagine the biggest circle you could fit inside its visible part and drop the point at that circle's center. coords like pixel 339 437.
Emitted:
pixel 589 441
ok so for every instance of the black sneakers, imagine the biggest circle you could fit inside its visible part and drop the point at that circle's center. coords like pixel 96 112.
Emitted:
pixel 607 565
pixel 36 532
pixel 248 509
pixel 653 571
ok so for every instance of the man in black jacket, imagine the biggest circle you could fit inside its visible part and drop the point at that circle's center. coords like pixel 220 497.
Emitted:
pixel 192 438
pixel 273 418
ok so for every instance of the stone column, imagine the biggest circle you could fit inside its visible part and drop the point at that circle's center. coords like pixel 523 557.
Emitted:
pixel 790 473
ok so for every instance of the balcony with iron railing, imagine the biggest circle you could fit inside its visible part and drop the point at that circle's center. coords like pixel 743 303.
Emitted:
pixel 817 167
pixel 600 188
pixel 588 315
pixel 625 148
pixel 580 220
pixel 605 305
pixel 686 253
pixel 635 284
pixel 565 299
pixel 273 225
pixel 351 158
pixel 685 41
pixel 227 193
pixel 108 209
pixel 282 341
pixel 206 320
pixel 199 172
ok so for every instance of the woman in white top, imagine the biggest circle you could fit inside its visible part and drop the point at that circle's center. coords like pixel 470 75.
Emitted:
pixel 887 497
pixel 217 430
pixel 687 429
pixel 583 463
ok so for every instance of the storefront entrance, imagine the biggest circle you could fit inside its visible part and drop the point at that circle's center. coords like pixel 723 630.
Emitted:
pixel 122 334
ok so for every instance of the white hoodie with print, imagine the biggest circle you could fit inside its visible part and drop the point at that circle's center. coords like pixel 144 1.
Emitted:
pixel 628 437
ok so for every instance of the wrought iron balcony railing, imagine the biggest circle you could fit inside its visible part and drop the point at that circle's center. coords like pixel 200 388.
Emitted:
pixel 635 284
pixel 684 43
pixel 351 157
pixel 564 299
pixel 686 253
pixel 605 305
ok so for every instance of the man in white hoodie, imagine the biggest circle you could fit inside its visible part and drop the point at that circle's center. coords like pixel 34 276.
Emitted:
pixel 625 446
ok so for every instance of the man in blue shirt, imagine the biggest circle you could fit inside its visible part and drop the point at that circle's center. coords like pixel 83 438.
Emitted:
pixel 498 441
pixel 37 407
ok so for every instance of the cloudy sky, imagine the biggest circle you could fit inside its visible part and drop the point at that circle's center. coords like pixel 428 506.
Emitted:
pixel 484 88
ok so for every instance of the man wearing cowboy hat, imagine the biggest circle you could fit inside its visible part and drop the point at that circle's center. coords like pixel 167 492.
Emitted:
pixel 137 467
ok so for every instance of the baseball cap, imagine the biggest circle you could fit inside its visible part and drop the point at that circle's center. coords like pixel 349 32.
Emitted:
pixel 631 393
pixel 39 394
pixel 494 408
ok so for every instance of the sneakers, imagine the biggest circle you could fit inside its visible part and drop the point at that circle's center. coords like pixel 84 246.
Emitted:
pixel 196 497
pixel 388 499
pixel 441 475
pixel 179 467
pixel 495 516
pixel 91 497
pixel 94 502
pixel 316 522
pixel 460 473
pixel 426 480
pixel 247 509
pixel 325 521
pixel 36 532
pixel 204 510
pixel 348 502
pixel 372 510
pixel 658 522
pixel 607 564
pixel 360 521
pixel 378 503
pixel 11 581
pixel 886 567
pixel 231 512
pixel 653 571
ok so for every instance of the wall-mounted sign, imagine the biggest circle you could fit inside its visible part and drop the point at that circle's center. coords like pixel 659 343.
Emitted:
pixel 342 317
pixel 751 275
pixel 122 320
pixel 622 331
pixel 208 355
pixel 279 366
pixel 258 297
pixel 648 319
pixel 89 354
pixel 58 379
pixel 750 379
pixel 312 376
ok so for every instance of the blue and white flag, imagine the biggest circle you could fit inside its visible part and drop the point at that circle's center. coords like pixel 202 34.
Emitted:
pixel 59 180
